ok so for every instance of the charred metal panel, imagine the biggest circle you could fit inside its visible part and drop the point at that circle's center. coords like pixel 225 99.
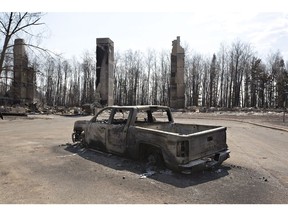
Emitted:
pixel 131 130
pixel 95 135
pixel 116 138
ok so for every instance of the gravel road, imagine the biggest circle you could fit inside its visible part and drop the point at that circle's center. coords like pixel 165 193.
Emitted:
pixel 39 164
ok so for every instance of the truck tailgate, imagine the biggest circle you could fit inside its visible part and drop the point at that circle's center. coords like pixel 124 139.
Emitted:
pixel 205 143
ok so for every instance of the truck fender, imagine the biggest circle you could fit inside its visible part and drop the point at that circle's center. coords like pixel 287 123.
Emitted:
pixel 151 153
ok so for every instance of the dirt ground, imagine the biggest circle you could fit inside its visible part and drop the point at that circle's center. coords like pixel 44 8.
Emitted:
pixel 39 164
pixel 272 119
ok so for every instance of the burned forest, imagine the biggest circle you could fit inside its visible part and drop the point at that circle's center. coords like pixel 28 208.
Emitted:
pixel 233 77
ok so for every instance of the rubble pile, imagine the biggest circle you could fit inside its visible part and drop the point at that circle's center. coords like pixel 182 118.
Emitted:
pixel 42 109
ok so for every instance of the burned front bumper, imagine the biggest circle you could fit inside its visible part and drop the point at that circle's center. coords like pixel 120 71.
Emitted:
pixel 203 163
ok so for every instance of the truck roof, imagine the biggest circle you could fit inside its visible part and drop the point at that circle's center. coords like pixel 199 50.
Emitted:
pixel 139 107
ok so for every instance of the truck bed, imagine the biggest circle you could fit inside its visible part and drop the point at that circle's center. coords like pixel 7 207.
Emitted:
pixel 177 129
pixel 188 142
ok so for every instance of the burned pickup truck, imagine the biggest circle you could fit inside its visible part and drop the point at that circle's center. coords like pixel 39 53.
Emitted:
pixel 149 132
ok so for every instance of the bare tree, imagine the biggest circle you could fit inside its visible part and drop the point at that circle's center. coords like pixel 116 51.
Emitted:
pixel 150 57
pixel 155 80
pixel 252 82
pixel 240 55
pixel 67 71
pixel 205 82
pixel 7 74
pixel 59 85
pixel 223 64
pixel 194 67
pixel 213 82
pixel 50 81
pixel 74 96
pixel 89 72
pixel 279 77
pixel 119 84
pixel 12 25
pixel 165 77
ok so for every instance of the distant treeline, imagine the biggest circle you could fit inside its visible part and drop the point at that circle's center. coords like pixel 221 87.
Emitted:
pixel 232 77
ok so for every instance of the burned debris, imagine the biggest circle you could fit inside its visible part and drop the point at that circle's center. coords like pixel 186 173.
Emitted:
pixel 21 98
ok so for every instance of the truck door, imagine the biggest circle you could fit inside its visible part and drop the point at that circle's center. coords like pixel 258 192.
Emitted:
pixel 116 132
pixel 95 134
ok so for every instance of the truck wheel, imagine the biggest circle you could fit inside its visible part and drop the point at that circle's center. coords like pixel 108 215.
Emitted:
pixel 73 137
pixel 77 136
pixel 155 158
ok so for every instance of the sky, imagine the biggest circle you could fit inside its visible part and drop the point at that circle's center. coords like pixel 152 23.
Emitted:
pixel 72 29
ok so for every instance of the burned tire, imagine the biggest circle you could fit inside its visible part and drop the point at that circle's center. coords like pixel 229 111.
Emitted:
pixel 77 136
pixel 154 157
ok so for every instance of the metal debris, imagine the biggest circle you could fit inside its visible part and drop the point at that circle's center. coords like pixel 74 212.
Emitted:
pixel 147 174
pixel 62 156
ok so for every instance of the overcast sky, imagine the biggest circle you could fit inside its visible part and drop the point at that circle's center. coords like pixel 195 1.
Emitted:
pixel 73 28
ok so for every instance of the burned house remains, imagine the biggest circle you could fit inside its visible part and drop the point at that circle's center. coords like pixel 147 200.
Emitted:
pixel 104 71
pixel 23 87
pixel 177 85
